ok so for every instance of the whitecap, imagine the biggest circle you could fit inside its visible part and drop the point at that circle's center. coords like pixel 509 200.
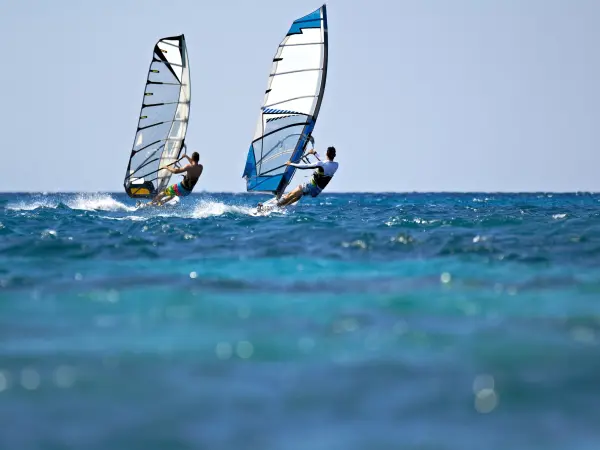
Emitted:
pixel 132 218
pixel 97 202
pixel 31 205
pixel 209 208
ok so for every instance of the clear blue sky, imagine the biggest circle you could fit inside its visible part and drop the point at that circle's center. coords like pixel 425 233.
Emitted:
pixel 422 95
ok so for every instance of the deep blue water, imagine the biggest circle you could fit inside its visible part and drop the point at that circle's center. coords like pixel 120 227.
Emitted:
pixel 355 321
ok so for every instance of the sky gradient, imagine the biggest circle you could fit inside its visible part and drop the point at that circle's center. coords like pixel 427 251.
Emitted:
pixel 421 95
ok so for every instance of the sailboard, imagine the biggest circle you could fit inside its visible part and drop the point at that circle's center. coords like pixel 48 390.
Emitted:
pixel 163 121
pixel 291 105
pixel 145 205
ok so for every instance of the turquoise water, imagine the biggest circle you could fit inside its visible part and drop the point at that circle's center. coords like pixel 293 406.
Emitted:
pixel 354 321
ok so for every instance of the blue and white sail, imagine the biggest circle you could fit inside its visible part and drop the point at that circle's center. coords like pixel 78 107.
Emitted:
pixel 291 105
pixel 163 120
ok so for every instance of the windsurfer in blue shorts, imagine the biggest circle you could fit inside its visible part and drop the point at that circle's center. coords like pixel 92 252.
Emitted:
pixel 184 188
pixel 322 175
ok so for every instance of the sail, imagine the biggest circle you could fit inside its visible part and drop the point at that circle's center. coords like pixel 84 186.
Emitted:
pixel 291 105
pixel 163 121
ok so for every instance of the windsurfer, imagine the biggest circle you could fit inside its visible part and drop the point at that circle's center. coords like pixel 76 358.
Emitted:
pixel 324 171
pixel 184 188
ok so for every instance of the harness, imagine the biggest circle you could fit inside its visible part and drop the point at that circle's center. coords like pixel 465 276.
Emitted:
pixel 188 184
pixel 319 178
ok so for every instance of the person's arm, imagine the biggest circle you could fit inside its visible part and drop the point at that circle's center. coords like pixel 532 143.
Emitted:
pixel 312 151
pixel 179 170
pixel 176 163
pixel 303 166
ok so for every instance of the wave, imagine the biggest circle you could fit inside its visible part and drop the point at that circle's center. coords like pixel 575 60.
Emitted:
pixel 210 208
pixel 97 202
pixel 33 205
pixel 132 218
pixel 85 202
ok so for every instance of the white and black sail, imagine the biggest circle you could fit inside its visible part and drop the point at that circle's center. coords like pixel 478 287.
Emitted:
pixel 291 105
pixel 163 121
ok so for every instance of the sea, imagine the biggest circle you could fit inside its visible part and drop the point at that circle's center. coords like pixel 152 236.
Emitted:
pixel 350 321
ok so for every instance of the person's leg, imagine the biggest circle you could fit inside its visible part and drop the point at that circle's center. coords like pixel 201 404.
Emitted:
pixel 156 199
pixel 167 192
pixel 165 200
pixel 292 197
pixel 295 201
pixel 282 199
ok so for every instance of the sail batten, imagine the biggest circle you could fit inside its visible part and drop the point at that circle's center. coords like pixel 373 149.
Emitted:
pixel 298 45
pixel 163 119
pixel 295 89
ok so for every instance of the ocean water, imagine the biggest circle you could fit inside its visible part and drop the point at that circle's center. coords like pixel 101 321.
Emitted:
pixel 354 321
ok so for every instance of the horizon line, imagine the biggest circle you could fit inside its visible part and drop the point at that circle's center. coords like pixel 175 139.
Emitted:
pixel 47 192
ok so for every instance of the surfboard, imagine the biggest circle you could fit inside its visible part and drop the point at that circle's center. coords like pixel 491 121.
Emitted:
pixel 147 205
pixel 266 207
